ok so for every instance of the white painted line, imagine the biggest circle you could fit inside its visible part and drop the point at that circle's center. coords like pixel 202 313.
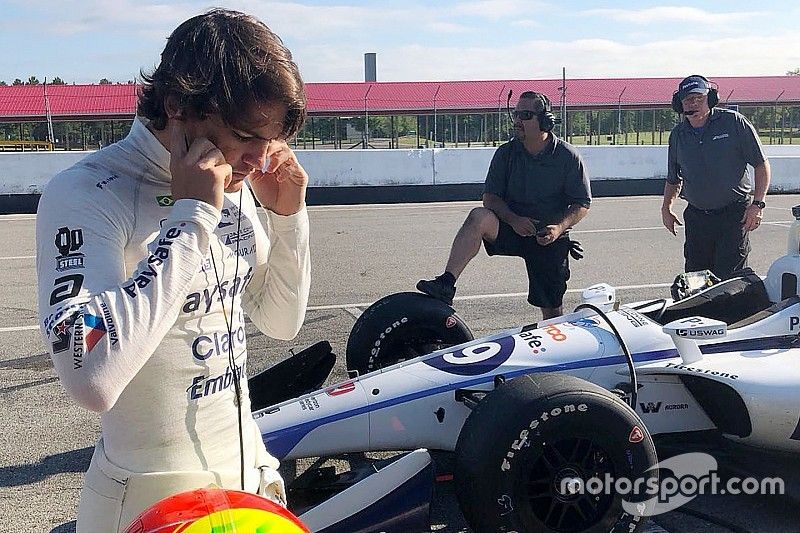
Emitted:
pixel 355 312
pixel 616 230
pixel 518 294
pixel 353 308
pixel 18 328
pixel 349 306
pixel 339 306
pixel 20 257
pixel 17 217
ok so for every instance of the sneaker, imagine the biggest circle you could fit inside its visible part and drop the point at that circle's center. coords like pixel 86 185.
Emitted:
pixel 437 289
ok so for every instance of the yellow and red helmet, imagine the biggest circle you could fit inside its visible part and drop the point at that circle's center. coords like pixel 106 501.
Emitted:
pixel 217 510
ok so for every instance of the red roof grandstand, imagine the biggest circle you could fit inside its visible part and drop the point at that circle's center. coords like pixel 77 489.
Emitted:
pixel 115 101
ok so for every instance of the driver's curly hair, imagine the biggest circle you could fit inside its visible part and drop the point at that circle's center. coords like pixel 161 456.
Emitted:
pixel 224 62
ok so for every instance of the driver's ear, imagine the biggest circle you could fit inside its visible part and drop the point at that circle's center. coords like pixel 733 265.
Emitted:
pixel 172 107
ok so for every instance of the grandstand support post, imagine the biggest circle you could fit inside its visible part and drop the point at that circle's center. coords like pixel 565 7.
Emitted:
pixel 366 119
pixel 653 141
pixel 619 114
pixel 775 115
pixel 51 136
pixel 435 134
pixel 563 90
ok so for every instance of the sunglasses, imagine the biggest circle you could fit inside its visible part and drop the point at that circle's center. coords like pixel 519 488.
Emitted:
pixel 524 115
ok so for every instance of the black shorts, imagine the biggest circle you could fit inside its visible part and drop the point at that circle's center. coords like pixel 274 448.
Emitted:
pixel 547 266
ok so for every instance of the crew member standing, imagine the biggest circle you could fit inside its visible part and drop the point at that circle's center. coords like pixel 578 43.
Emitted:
pixel 708 156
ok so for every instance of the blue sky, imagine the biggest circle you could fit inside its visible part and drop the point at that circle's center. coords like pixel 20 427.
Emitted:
pixel 85 40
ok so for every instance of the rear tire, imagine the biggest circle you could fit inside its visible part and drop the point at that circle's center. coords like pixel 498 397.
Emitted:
pixel 402 326
pixel 533 437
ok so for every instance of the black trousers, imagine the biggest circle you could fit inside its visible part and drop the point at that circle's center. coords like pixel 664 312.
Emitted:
pixel 715 239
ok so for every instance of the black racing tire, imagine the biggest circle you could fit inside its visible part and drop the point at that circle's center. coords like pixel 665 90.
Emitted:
pixel 533 432
pixel 402 326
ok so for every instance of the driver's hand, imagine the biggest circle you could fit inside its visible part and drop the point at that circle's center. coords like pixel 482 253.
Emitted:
pixel 198 169
pixel 669 220
pixel 523 226
pixel 281 186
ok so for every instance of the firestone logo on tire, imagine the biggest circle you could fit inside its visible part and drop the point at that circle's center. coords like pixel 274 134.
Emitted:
pixel 522 441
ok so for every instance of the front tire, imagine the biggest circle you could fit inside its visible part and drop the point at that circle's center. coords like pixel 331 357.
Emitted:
pixel 526 452
pixel 402 326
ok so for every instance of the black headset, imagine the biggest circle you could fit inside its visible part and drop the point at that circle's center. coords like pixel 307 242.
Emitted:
pixel 547 120
pixel 713 95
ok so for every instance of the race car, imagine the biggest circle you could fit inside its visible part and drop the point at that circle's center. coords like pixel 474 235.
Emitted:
pixel 533 412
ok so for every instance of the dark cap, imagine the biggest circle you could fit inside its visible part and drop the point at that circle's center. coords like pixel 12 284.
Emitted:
pixel 541 102
pixel 692 84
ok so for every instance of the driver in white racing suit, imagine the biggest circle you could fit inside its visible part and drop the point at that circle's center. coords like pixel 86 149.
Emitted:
pixel 150 252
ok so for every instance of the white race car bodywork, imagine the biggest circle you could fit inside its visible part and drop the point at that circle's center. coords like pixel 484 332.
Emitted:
pixel 721 360
pixel 414 404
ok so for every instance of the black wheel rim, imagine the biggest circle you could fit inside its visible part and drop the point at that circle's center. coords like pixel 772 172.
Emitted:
pixel 412 345
pixel 576 461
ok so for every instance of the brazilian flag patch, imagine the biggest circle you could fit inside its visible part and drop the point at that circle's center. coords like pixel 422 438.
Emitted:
pixel 165 201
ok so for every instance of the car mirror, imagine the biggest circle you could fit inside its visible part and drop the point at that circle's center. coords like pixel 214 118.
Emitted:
pixel 685 333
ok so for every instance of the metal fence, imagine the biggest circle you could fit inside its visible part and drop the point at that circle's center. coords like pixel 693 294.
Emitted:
pixel 610 120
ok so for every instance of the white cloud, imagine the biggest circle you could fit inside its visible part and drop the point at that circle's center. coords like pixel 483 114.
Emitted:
pixel 448 27
pixel 672 14
pixel 497 9
pixel 587 58
pixel 416 41
pixel 526 23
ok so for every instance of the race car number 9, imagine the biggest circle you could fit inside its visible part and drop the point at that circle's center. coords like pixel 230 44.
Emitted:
pixel 473 354
pixel 474 359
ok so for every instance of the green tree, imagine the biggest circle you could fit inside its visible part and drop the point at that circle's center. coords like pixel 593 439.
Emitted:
pixel 33 80
pixel 57 81
pixel 105 81
pixel 3 84
pixel 18 81
pixel 795 72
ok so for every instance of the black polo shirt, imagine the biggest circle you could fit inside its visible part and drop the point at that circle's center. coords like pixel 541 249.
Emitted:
pixel 540 186
pixel 713 164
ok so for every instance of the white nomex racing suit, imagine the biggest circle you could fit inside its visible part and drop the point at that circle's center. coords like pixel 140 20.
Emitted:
pixel 135 321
